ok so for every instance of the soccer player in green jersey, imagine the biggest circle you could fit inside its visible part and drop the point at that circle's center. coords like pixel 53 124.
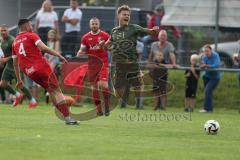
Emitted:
pixel 123 43
pixel 8 73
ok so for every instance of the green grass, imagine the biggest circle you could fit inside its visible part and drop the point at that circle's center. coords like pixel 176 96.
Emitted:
pixel 38 134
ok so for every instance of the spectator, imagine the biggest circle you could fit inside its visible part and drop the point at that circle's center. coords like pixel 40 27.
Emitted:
pixel 72 18
pixel 236 60
pixel 53 43
pixel 167 49
pixel 211 60
pixel 155 20
pixel 2 92
pixel 158 72
pixel 46 19
pixel 192 76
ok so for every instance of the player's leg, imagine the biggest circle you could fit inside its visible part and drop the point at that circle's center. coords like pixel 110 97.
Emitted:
pixel 136 80
pixel 96 99
pixel 7 77
pixel 32 101
pixel 48 80
pixel 103 85
pixel 120 82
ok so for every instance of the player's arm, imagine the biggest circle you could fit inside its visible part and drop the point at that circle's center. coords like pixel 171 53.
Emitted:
pixel 5 59
pixel 154 31
pixel 48 50
pixel 82 50
pixel 17 72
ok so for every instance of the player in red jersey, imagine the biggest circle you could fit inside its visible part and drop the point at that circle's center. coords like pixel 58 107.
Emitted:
pixel 97 63
pixel 27 48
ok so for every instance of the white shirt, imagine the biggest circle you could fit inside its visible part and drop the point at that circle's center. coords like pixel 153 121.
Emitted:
pixel 47 19
pixel 73 14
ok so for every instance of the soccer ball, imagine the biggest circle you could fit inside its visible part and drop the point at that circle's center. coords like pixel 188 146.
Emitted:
pixel 212 127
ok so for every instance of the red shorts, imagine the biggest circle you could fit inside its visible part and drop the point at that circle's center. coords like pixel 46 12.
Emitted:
pixel 96 75
pixel 43 76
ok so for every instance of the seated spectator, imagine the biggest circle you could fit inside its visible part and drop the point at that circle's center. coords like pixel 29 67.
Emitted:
pixel 155 20
pixel 211 60
pixel 46 19
pixel 192 76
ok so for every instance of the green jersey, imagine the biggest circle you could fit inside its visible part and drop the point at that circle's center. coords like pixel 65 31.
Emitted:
pixel 124 40
pixel 6 45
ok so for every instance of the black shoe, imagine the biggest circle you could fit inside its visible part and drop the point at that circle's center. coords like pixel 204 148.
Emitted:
pixel 100 113
pixel 70 121
pixel 107 112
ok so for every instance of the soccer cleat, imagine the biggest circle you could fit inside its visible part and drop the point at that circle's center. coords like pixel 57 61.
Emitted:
pixel 107 111
pixel 70 121
pixel 32 105
pixel 17 100
pixel 99 113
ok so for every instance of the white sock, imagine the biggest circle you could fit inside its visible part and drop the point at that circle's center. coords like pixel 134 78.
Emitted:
pixel 17 94
pixel 33 100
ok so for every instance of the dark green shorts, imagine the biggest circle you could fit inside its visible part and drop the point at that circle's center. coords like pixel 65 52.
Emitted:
pixel 8 74
pixel 127 74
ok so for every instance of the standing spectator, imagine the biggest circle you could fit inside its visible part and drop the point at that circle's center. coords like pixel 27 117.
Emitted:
pixel 192 76
pixel 167 49
pixel 155 20
pixel 72 18
pixel 236 60
pixel 211 60
pixel 2 92
pixel 158 72
pixel 46 19
pixel 54 44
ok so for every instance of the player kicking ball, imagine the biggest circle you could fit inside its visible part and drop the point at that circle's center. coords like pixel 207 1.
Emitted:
pixel 91 44
pixel 27 56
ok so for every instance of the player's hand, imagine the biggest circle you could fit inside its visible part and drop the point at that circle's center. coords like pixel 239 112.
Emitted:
pixel 154 30
pixel 19 84
pixel 62 59
pixel 3 60
pixel 101 43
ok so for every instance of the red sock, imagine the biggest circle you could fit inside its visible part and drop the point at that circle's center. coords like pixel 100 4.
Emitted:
pixel 105 93
pixel 63 108
pixel 96 97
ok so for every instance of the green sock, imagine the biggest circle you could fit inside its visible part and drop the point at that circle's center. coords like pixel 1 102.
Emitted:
pixel 10 89
pixel 26 93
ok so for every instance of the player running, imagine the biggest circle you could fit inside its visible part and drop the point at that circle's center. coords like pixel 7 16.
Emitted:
pixel 8 73
pixel 91 44
pixel 27 48
pixel 123 42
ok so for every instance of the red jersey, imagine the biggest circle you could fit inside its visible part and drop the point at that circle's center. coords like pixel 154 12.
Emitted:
pixel 90 41
pixel 29 56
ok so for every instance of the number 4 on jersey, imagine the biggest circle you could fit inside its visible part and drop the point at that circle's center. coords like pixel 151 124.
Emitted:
pixel 22 50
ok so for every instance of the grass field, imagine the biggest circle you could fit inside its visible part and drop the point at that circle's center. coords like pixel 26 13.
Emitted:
pixel 127 134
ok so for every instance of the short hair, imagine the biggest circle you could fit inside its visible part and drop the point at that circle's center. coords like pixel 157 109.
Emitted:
pixel 23 21
pixel 207 46
pixel 94 18
pixel 123 8
pixel 4 26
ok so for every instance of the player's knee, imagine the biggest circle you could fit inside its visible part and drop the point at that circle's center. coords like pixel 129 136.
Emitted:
pixel 102 84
